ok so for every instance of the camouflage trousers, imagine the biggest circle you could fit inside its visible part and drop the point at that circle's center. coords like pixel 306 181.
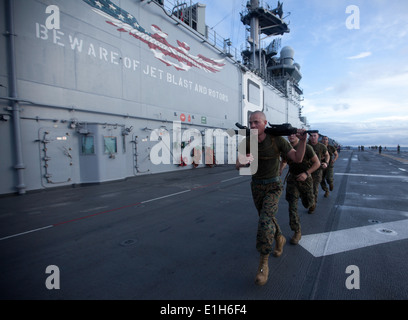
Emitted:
pixel 327 176
pixel 317 179
pixel 266 199
pixel 294 191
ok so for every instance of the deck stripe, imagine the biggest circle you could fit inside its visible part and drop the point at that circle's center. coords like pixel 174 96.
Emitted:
pixel 395 158
pixel 23 233
pixel 328 243
pixel 117 209
pixel 167 196
pixel 370 175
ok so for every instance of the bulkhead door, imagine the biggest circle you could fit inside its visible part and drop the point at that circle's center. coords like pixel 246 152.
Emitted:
pixel 56 157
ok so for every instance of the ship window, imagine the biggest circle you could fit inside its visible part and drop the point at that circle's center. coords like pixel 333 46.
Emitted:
pixel 263 100
pixel 249 117
pixel 88 145
pixel 111 145
pixel 253 93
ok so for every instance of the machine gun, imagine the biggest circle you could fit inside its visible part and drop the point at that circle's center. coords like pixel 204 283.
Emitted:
pixel 285 129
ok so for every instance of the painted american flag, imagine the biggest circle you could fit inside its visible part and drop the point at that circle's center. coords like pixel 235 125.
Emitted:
pixel 179 57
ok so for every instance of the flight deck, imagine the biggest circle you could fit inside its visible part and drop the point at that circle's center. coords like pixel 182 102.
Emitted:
pixel 190 235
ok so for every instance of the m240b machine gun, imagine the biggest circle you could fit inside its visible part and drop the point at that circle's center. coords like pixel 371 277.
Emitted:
pixel 284 129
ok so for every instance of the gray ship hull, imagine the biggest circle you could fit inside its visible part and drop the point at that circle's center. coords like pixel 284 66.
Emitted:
pixel 98 84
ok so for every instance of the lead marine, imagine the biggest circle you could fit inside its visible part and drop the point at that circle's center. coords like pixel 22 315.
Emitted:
pixel 266 187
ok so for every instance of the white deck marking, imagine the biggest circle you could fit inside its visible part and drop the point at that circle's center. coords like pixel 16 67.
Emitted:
pixel 223 181
pixel 370 175
pixel 163 197
pixel 328 243
pixel 23 233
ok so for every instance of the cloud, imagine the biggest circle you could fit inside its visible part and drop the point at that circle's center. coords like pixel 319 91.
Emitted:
pixel 317 93
pixel 381 132
pixel 360 56
pixel 366 94
pixel 341 106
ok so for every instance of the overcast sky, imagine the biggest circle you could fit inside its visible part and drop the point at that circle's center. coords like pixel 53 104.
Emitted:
pixel 354 64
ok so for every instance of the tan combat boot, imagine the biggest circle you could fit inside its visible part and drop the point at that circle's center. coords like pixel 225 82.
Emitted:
pixel 312 209
pixel 263 270
pixel 280 242
pixel 296 237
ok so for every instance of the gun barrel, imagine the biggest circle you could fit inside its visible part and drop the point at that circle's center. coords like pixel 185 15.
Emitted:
pixel 285 129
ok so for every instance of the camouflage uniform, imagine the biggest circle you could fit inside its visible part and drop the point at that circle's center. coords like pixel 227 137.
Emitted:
pixel 266 198
pixel 299 189
pixel 267 188
pixel 328 172
pixel 320 150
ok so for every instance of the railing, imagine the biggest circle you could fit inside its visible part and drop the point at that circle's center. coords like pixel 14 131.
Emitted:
pixel 185 12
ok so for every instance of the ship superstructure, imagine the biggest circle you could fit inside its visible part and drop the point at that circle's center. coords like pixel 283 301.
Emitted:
pixel 90 90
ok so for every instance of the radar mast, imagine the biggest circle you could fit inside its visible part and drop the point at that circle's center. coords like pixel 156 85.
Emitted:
pixel 261 21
